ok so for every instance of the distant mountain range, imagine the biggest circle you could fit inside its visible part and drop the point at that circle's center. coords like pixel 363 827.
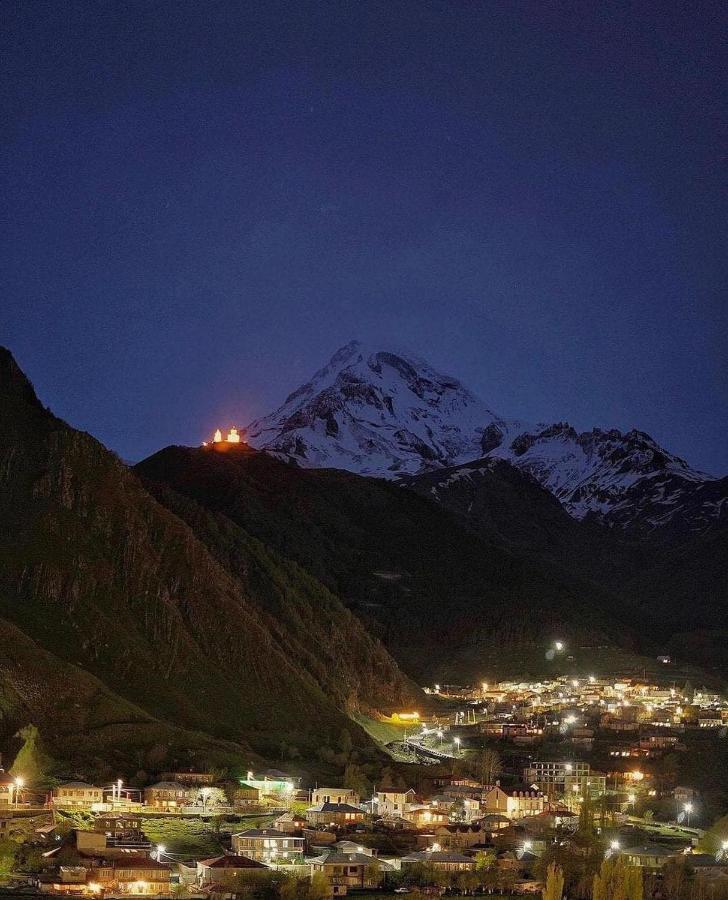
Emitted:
pixel 390 414
pixel 220 605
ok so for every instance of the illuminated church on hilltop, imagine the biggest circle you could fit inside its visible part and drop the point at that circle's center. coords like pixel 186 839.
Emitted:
pixel 233 437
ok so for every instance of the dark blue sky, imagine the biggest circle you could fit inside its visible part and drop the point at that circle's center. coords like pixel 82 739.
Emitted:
pixel 206 199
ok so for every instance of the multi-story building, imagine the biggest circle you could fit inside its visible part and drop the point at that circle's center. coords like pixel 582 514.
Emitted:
pixel 514 802
pixel 334 814
pixel 169 795
pixel 393 802
pixel 334 795
pixel 77 794
pixel 268 844
pixel 555 777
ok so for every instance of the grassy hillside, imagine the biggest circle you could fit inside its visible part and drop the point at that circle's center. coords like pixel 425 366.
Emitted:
pixel 436 593
pixel 105 579
pixel 676 586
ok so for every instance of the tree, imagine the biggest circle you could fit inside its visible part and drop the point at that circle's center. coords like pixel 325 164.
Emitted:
pixel 8 852
pixel 355 779
pixel 345 741
pixel 486 765
pixel 467 882
pixel 457 811
pixel 288 890
pixel 616 881
pixel 319 887
pixel 32 763
pixel 586 817
pixel 554 889
pixel 675 879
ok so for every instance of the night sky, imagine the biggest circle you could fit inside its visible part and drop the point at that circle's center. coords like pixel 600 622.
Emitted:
pixel 205 199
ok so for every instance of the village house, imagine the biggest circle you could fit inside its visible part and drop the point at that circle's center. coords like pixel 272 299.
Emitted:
pixel 228 868
pixel 113 836
pixel 423 816
pixel 659 742
pixel 682 794
pixel 169 795
pixel 268 844
pixel 136 875
pixel 8 790
pixel 459 836
pixel 648 856
pixel 77 794
pixel 351 870
pixel 707 865
pixel 464 809
pixel 290 822
pixel 245 796
pixel 189 776
pixel 514 802
pixel 443 860
pixel 334 795
pixel 132 875
pixel 392 802
pixel 334 814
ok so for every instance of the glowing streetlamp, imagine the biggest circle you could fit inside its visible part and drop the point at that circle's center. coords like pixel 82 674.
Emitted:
pixel 559 646
pixel 688 807
pixel 457 744
pixel 161 850
pixel 18 785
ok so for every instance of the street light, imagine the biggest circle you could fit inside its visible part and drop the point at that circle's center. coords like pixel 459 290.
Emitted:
pixel 18 785
pixel 559 646
pixel 161 850
pixel 457 744
pixel 688 809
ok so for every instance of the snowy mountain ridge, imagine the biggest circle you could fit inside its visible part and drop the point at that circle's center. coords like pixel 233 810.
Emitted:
pixel 389 414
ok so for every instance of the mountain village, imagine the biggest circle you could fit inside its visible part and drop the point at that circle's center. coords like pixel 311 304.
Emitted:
pixel 503 779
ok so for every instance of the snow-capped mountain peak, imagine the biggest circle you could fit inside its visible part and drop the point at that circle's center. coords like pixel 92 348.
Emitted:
pixel 389 413
pixel 377 412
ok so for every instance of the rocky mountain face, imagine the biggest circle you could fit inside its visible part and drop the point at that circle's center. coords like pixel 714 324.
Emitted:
pixel 120 623
pixel 378 413
pixel 391 415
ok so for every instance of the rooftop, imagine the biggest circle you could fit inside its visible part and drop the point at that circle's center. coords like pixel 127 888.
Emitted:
pixel 230 861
